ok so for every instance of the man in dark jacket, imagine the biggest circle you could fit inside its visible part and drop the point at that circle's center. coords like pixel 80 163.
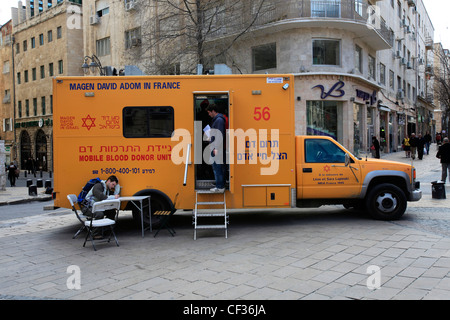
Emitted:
pixel 217 147
pixel 444 155
pixel 413 141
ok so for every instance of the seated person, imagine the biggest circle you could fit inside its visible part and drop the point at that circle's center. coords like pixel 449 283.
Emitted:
pixel 105 189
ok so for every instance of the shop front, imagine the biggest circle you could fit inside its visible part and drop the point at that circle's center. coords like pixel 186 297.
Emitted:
pixel 338 106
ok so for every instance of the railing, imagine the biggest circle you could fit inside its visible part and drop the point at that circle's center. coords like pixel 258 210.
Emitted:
pixel 360 11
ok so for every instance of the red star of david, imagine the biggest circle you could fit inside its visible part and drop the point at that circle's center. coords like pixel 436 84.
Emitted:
pixel 88 122
pixel 326 168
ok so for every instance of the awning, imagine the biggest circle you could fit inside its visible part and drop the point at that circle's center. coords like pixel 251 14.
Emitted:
pixel 384 108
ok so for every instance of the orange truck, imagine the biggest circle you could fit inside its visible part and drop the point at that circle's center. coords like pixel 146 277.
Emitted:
pixel 150 131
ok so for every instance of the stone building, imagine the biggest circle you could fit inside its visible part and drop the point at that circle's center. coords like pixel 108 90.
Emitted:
pixel 48 42
pixel 7 91
pixel 360 66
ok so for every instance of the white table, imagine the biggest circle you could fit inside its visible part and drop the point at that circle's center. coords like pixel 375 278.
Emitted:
pixel 134 200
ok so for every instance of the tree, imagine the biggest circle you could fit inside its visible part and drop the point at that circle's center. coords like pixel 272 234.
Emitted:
pixel 441 77
pixel 178 35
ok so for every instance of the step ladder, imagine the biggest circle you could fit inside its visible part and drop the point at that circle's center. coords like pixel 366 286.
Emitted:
pixel 206 194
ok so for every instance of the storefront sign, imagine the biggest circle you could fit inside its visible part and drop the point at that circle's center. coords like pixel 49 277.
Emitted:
pixel 367 96
pixel 337 89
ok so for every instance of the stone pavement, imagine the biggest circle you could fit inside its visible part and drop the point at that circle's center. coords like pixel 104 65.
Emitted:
pixel 325 253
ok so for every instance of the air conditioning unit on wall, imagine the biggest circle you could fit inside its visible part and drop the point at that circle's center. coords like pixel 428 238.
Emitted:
pixel 93 20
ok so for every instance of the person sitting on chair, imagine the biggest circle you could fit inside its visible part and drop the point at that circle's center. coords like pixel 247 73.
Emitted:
pixel 105 189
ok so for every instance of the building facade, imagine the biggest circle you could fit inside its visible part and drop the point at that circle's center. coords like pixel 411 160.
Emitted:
pixel 7 91
pixel 360 66
pixel 48 42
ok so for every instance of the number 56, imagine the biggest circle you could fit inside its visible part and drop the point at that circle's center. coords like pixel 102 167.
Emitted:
pixel 261 114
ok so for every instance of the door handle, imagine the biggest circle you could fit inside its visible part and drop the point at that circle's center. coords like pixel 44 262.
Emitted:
pixel 307 169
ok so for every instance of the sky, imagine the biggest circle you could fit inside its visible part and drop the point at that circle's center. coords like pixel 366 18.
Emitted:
pixel 438 10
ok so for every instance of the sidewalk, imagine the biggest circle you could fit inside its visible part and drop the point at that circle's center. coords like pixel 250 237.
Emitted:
pixel 19 193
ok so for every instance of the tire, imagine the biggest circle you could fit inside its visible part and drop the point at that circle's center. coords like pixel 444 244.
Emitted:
pixel 386 202
pixel 159 201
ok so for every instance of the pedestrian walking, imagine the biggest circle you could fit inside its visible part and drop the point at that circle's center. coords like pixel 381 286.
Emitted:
pixel 12 174
pixel 406 147
pixel 420 146
pixel 413 141
pixel 444 154
pixel 428 139
pixel 375 147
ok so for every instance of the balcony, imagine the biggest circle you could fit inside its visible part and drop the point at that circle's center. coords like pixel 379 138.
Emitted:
pixel 357 16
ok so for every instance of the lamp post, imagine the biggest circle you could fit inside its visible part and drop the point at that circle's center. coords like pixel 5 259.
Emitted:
pixel 95 64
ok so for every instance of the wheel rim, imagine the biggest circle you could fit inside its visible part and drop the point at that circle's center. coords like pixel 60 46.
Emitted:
pixel 386 202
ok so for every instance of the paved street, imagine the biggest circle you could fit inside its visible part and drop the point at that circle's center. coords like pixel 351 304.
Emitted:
pixel 325 253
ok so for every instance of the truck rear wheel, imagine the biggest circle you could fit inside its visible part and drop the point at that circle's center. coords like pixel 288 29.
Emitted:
pixel 386 202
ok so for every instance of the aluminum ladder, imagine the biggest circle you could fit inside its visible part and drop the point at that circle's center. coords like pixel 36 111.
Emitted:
pixel 218 215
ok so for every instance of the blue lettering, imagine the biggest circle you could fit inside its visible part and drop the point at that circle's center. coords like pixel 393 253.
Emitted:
pixel 106 86
pixel 81 86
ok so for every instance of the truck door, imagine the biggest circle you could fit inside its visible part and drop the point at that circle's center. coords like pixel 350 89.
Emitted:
pixel 324 173
pixel 204 176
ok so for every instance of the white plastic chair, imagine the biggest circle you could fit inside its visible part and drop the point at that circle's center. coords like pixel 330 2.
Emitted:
pixel 92 224
pixel 73 199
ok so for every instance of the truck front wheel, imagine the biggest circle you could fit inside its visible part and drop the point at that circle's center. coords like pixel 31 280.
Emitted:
pixel 386 202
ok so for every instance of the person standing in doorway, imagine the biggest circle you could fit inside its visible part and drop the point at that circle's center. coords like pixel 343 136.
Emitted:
pixel 218 147
pixel 444 154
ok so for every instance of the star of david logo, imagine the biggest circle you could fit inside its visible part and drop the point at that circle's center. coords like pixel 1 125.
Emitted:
pixel 326 168
pixel 88 122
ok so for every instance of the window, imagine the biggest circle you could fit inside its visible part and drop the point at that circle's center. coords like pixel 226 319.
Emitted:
pixel 43 105
pixel 358 58
pixel 148 122
pixel 33 43
pixel 103 12
pixel 27 107
pixel 19 107
pixel 264 57
pixel 322 118
pixel 323 151
pixel 35 106
pixel 391 80
pixel 41 39
pixel 24 45
pixel 372 68
pixel 42 72
pixel 103 47
pixel 18 78
pixel 359 7
pixel 59 32
pixel 50 70
pixel 49 36
pixel 17 48
pixel 33 74
pixel 26 76
pixel 328 9
pixel 326 52
pixel 60 67
pixel 382 74
pixel 132 38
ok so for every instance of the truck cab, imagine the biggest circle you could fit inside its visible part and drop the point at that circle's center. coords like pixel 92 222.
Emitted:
pixel 327 173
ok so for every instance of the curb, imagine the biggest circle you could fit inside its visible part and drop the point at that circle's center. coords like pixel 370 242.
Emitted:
pixel 19 201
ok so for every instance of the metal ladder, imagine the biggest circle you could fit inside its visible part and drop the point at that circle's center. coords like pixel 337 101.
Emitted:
pixel 197 214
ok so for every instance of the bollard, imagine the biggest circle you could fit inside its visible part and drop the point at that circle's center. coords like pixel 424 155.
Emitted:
pixel 29 182
pixel 48 184
pixel 438 190
pixel 32 190
pixel 39 183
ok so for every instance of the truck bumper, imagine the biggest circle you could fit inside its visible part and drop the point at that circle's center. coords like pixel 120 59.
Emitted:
pixel 415 195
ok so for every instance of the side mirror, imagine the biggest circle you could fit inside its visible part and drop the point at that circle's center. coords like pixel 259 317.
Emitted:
pixel 347 160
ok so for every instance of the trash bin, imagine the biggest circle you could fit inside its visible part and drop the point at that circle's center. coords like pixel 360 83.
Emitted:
pixel 438 190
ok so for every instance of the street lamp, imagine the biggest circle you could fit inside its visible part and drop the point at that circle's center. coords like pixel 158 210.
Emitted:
pixel 95 64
